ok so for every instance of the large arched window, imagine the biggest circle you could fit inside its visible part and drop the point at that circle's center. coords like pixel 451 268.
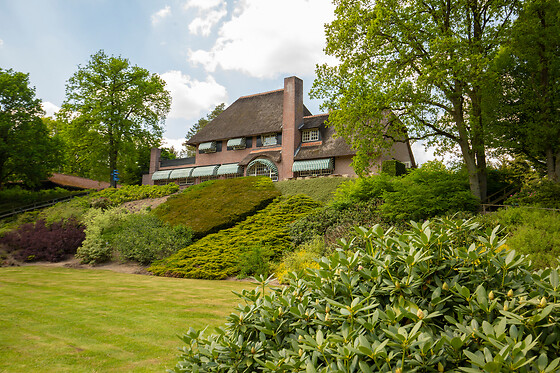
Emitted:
pixel 263 167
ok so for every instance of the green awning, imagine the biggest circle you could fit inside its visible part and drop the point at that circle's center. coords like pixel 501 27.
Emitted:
pixel 205 146
pixel 236 142
pixel 181 173
pixel 266 162
pixel 313 165
pixel 230 169
pixel 205 171
pixel 161 175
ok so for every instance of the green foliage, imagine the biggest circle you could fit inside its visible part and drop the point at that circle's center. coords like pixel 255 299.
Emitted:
pixel 112 111
pixel 441 296
pixel 202 122
pixel 428 191
pixel 111 197
pixel 320 189
pixel 101 226
pixel 332 222
pixel 27 152
pixel 393 167
pixel 531 232
pixel 217 255
pixel 426 61
pixel 16 196
pixel 537 193
pixel 305 256
pixel 254 262
pixel 362 189
pixel 523 97
pixel 217 204
pixel 144 238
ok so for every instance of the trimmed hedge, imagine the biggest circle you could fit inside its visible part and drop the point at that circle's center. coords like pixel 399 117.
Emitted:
pixel 111 197
pixel 217 255
pixel 217 204
pixel 321 189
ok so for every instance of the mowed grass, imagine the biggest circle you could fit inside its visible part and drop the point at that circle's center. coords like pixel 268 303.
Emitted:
pixel 78 320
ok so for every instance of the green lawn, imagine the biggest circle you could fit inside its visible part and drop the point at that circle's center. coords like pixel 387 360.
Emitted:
pixel 77 320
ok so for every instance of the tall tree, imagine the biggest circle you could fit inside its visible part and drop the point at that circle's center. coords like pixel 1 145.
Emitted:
pixel 27 153
pixel 526 109
pixel 421 61
pixel 200 125
pixel 112 110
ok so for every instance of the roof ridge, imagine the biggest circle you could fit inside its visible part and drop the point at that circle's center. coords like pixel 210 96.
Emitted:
pixel 316 115
pixel 261 94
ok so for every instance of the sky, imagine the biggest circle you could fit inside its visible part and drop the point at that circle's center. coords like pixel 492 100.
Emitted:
pixel 207 51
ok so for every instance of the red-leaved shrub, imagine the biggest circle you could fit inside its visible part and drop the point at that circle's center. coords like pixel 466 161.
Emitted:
pixel 42 242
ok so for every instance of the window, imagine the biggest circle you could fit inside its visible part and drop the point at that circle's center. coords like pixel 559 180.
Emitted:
pixel 310 135
pixel 269 139
pixel 407 164
pixel 263 167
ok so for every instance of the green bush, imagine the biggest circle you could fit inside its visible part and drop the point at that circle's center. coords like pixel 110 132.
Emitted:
pixel 144 238
pixel 321 189
pixel 101 226
pixel 393 167
pixel 255 261
pixel 441 296
pixel 16 196
pixel 537 193
pixel 531 232
pixel 217 204
pixel 362 189
pixel 111 197
pixel 305 256
pixel 217 255
pixel 426 192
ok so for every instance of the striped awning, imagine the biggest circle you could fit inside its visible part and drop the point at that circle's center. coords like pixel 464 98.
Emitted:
pixel 205 146
pixel 264 161
pixel 229 169
pixel 181 173
pixel 161 175
pixel 313 165
pixel 205 171
pixel 240 141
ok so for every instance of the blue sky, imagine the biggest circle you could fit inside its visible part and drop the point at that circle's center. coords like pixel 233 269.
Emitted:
pixel 208 51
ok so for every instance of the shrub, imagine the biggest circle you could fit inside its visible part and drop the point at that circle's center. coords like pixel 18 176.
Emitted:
pixel 393 167
pixel 144 238
pixel 531 232
pixel 43 242
pixel 254 261
pixel 217 255
pixel 321 189
pixel 100 228
pixel 111 197
pixel 426 192
pixel 362 190
pixel 537 193
pixel 16 196
pixel 217 204
pixel 305 256
pixel 423 300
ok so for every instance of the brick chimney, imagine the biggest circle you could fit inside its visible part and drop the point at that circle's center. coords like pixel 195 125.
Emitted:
pixel 155 155
pixel 292 117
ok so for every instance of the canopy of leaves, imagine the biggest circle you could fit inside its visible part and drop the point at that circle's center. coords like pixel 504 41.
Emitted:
pixel 112 111
pixel 27 153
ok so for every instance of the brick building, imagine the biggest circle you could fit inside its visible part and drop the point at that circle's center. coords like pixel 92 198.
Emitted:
pixel 271 134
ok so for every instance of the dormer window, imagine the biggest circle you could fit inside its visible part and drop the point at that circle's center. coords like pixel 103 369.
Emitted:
pixel 269 139
pixel 310 135
pixel 207 147
pixel 236 144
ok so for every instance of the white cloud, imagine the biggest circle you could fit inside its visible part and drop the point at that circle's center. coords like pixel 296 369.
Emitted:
pixel 267 38
pixel 161 14
pixel 50 108
pixel 177 144
pixel 192 97
pixel 203 24
pixel 1 43
pixel 203 4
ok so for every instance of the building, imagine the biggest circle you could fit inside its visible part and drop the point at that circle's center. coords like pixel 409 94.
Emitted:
pixel 271 134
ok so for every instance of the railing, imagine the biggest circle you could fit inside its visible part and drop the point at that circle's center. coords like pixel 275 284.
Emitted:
pixel 38 205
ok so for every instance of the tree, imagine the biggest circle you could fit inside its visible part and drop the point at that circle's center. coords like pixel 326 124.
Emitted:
pixel 112 109
pixel 191 151
pixel 526 90
pixel 27 153
pixel 423 62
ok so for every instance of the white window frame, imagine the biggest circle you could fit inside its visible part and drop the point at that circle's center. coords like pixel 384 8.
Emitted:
pixel 269 139
pixel 310 135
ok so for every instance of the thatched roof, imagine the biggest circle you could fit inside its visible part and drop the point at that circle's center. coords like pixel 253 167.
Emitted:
pixel 331 146
pixel 247 116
